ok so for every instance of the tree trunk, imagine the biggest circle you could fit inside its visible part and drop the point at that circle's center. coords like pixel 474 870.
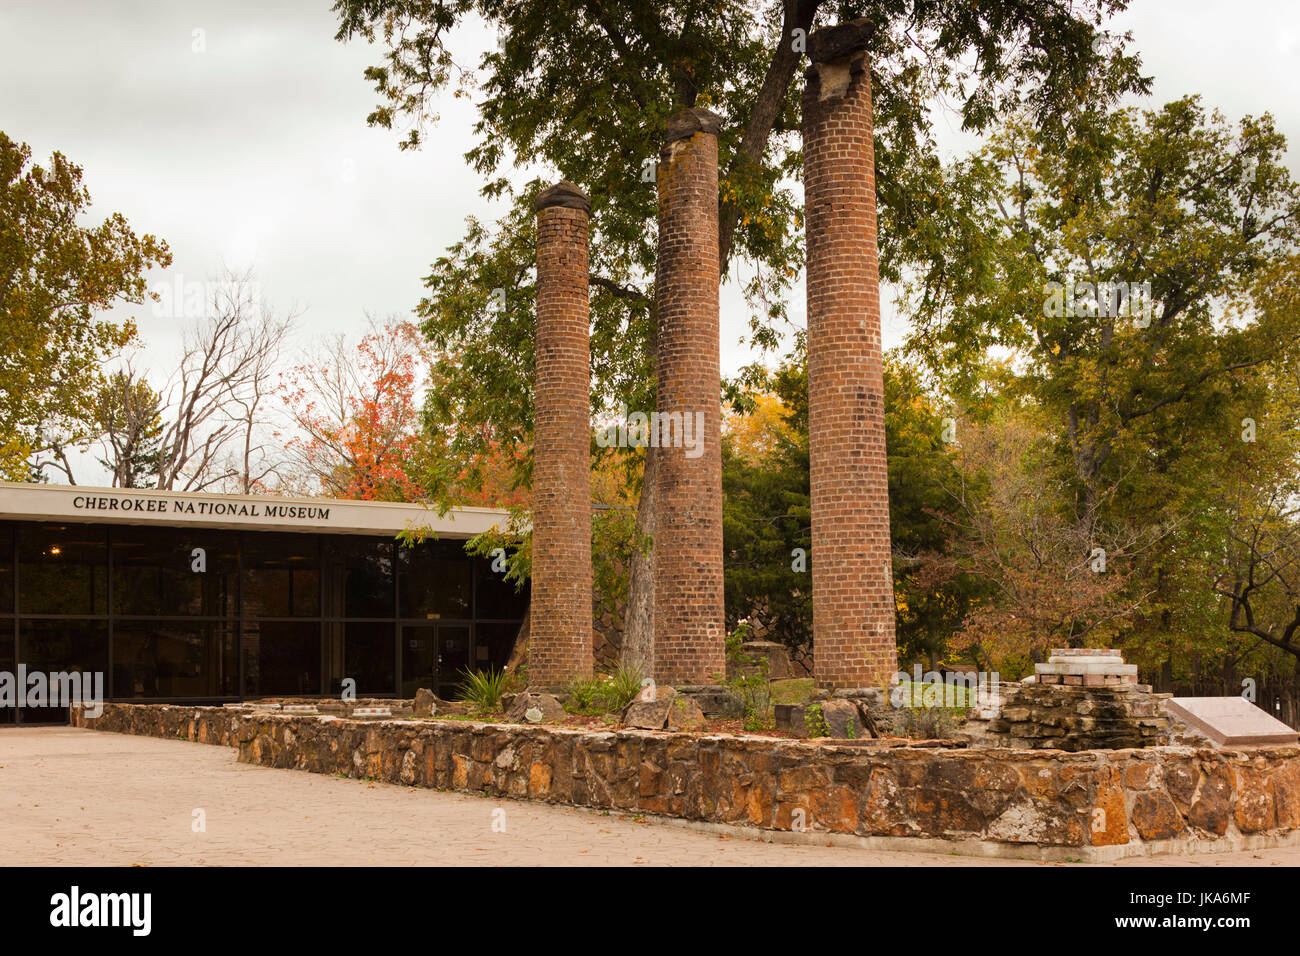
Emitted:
pixel 519 653
pixel 638 651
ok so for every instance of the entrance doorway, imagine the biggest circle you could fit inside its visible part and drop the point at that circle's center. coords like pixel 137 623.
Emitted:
pixel 434 656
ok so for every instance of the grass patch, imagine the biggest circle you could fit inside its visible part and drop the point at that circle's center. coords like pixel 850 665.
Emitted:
pixel 792 690
pixel 909 694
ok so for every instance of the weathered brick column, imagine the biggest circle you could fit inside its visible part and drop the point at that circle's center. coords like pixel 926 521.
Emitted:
pixel 689 630
pixel 852 583
pixel 560 643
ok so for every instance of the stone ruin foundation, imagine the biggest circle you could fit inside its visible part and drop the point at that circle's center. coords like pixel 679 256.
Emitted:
pixel 1081 699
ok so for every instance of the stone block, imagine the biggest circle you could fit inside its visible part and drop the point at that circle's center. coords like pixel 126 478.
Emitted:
pixel 757 654
pixel 1232 721
pixel 424 703
pixel 1108 668
pixel 534 708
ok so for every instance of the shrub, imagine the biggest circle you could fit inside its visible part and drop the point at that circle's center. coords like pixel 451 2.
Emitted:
pixel 749 692
pixel 598 695
pixel 621 688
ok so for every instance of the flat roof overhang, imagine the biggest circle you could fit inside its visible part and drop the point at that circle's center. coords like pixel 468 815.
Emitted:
pixel 144 506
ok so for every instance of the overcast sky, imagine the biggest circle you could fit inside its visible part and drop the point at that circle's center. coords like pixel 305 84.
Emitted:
pixel 235 130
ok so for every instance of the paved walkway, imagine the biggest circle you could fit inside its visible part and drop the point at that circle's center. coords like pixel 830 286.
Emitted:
pixel 84 797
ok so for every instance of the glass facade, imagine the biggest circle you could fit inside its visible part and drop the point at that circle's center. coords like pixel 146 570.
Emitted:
pixel 192 614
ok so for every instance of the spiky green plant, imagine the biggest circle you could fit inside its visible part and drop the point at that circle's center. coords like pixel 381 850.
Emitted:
pixel 620 689
pixel 483 689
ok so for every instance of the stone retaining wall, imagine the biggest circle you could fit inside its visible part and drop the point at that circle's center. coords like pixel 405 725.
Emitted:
pixel 1032 803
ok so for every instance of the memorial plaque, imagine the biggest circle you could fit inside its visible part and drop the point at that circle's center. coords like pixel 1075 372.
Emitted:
pixel 1232 721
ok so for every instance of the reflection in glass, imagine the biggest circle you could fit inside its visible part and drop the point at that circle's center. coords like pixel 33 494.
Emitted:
pixel 174 572
pixel 435 580
pixel 7 714
pixel 496 598
pixel 178 632
pixel 358 577
pixel 281 658
pixel 64 569
pixel 493 644
pixel 62 646
pixel 174 659
pixel 6 568
pixel 434 657
pixel 281 575
pixel 370 657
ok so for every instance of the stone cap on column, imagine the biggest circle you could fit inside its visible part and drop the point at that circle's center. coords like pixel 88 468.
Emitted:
pixel 687 123
pixel 565 194
pixel 840 41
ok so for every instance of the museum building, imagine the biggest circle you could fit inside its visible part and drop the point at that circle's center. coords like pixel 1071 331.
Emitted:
pixel 203 598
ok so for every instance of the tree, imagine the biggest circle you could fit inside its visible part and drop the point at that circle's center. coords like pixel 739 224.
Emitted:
pixel 1258 571
pixel 213 399
pixel 356 415
pixel 767 514
pixel 56 276
pixel 1052 578
pixel 1143 279
pixel 1060 244
pixel 129 415
pixel 583 87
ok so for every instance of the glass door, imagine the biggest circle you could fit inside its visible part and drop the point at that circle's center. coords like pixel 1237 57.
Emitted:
pixel 453 658
pixel 434 656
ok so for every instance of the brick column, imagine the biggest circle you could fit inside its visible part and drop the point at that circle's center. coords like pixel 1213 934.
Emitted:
pixel 852 582
pixel 561 623
pixel 689 630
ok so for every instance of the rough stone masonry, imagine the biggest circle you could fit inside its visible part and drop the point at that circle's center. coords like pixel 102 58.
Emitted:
pixel 852 582
pixel 689 628
pixel 561 638
pixel 1043 804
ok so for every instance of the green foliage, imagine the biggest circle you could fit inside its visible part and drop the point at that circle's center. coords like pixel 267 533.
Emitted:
pixel 748 688
pixel 56 275
pixel 1096 430
pixel 128 414
pixel 584 696
pixel 603 694
pixel 483 689
pixel 596 116
pixel 766 517
pixel 621 688
pixel 929 695
pixel 815 721
pixel 1128 428
pixel 510 544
